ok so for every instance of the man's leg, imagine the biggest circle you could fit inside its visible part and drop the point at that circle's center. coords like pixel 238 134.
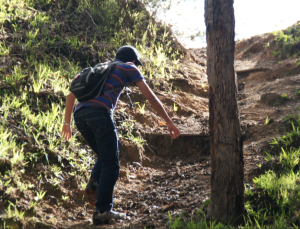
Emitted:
pixel 86 132
pixel 100 122
pixel 108 149
pixel 97 127
pixel 89 137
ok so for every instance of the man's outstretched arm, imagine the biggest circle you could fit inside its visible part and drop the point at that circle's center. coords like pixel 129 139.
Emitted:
pixel 158 107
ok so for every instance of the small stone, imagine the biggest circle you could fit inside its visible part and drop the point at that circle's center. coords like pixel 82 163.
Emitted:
pixel 123 173
pixel 170 207
pixel 40 167
pixel 40 224
pixel 137 164
pixel 49 210
pixel 271 99
pixel 112 221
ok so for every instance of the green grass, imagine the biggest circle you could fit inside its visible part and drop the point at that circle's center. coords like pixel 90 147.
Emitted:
pixel 267 121
pixel 285 96
pixel 287 41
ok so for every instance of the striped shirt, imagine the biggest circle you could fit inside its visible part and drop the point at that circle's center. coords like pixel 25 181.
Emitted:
pixel 120 76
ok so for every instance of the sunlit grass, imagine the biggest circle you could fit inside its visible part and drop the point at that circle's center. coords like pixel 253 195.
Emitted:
pixel 5 146
pixel 13 79
pixel 4 49
pixel 13 9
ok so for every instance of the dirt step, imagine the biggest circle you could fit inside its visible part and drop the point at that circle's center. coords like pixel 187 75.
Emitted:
pixel 184 146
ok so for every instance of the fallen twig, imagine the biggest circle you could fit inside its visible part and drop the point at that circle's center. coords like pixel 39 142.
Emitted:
pixel 87 31
pixel 95 24
pixel 250 113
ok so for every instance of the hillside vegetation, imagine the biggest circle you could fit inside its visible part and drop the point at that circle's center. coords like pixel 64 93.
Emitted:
pixel 43 45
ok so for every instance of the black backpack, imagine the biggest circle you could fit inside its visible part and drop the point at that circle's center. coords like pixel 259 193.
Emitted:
pixel 88 83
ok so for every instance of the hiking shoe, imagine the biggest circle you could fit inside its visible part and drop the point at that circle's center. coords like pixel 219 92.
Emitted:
pixel 103 218
pixel 91 191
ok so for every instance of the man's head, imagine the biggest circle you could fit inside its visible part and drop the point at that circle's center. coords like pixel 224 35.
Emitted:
pixel 128 53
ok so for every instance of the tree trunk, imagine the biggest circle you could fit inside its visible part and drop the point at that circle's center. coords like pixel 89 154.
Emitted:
pixel 227 189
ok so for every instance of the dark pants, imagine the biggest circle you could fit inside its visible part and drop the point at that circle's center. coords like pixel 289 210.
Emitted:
pixel 97 127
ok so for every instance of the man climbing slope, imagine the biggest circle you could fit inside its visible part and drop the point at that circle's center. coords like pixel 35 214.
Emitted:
pixel 94 120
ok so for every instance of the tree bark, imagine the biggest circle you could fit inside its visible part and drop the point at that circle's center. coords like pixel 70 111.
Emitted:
pixel 227 189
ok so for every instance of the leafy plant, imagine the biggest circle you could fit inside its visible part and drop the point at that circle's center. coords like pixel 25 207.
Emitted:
pixel 289 159
pixel 290 118
pixel 175 107
pixel 177 223
pixel 267 121
pixel 18 159
pixel 39 195
pixel 141 108
pixel 64 198
pixel 19 215
pixel 4 50
pixel 275 53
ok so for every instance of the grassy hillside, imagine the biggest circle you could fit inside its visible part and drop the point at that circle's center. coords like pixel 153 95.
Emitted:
pixel 43 44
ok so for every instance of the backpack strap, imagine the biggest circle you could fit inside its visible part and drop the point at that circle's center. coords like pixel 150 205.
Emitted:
pixel 111 66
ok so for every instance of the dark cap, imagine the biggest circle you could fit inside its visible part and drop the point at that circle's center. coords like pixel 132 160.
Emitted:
pixel 128 53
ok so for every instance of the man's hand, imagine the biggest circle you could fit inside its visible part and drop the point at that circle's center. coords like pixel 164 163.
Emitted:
pixel 157 105
pixel 66 132
pixel 174 131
